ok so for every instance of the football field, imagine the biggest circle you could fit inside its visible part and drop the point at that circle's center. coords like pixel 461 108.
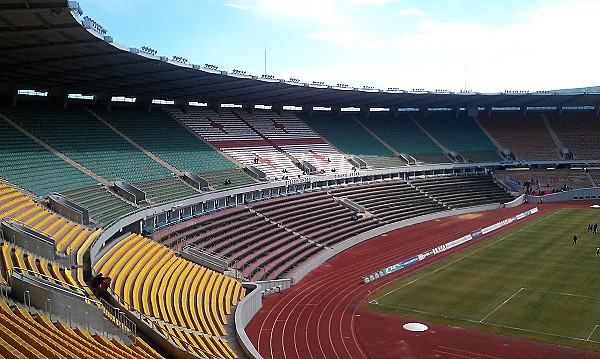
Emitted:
pixel 529 282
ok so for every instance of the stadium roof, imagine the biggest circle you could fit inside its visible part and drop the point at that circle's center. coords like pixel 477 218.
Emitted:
pixel 48 45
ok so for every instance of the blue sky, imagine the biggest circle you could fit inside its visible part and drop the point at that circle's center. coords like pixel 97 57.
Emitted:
pixel 503 45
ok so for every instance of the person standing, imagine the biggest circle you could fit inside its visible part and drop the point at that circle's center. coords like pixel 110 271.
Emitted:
pixel 574 239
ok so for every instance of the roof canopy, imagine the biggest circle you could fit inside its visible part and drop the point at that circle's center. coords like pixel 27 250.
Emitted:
pixel 46 45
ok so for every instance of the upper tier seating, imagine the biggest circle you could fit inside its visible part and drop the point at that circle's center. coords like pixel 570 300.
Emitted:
pixel 461 134
pixel 161 190
pixel 463 191
pixel 82 137
pixel 223 130
pixel 578 132
pixel 280 129
pixel 182 296
pixel 526 136
pixel 324 157
pixel 294 137
pixel 271 162
pixel 549 180
pixel 102 204
pixel 401 133
pixel 25 336
pixel 30 166
pixel 227 179
pixel 229 131
pixel 390 201
pixel 163 136
pixel 347 135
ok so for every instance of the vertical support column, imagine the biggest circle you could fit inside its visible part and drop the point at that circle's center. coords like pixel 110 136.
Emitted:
pixel 248 107
pixel 215 106
pixel 15 97
pixel 365 111
pixel 524 110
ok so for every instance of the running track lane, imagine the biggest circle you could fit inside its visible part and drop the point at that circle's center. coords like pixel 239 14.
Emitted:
pixel 317 318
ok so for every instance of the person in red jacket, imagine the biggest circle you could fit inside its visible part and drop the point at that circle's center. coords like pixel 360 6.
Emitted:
pixel 103 290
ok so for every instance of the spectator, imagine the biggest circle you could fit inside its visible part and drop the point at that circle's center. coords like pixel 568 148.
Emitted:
pixel 95 283
pixel 103 290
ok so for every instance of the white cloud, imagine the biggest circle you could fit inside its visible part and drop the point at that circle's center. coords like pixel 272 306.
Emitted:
pixel 372 2
pixel 322 10
pixel 336 37
pixel 348 39
pixel 411 12
pixel 240 6
pixel 548 48
pixel 551 48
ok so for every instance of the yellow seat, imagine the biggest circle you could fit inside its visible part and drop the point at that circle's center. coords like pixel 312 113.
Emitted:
pixel 77 241
pixel 140 283
pixel 7 258
pixel 57 223
pixel 17 208
pixel 212 304
pixel 147 349
pixel 180 298
pixel 80 250
pixel 18 257
pixel 165 293
pixel 63 243
pixel 126 275
pixel 17 342
pixel 189 305
pixel 148 288
pixel 33 219
pixel 30 211
pixel 59 234
pixel 43 268
pixel 108 260
pixel 48 218
pixel 35 339
pixel 9 352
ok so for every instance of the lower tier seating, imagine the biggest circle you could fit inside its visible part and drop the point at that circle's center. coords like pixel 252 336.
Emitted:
pixel 25 336
pixel 151 279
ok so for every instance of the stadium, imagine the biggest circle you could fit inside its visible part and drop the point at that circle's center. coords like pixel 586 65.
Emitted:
pixel 154 208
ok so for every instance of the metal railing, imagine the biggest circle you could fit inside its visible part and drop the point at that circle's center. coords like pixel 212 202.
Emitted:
pixel 153 324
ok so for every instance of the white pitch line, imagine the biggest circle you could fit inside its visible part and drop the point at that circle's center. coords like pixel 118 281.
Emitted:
pixel 470 254
pixel 593 330
pixel 563 293
pixel 491 324
pixel 498 307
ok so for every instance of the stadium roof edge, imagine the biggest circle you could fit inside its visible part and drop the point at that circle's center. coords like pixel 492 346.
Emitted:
pixel 46 45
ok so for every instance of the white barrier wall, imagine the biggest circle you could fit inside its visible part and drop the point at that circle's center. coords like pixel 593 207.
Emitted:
pixel 572 195
pixel 444 247
pixel 326 255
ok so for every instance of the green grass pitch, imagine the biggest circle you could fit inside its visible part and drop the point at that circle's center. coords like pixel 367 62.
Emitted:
pixel 530 282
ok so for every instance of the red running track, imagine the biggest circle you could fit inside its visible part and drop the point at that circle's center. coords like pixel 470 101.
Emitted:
pixel 321 316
